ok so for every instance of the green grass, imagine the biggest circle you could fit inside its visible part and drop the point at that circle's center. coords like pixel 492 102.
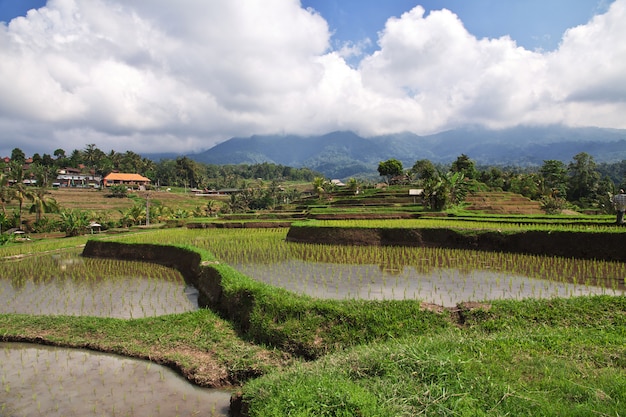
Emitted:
pixel 552 366
pixel 510 224
pixel 41 245
pixel 196 343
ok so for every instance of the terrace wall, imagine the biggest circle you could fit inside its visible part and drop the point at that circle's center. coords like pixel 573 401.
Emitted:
pixel 580 245
pixel 203 276
pixel 186 261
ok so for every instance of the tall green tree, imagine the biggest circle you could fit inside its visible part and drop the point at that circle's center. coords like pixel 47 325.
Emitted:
pixel 61 160
pixel 18 156
pixel 5 191
pixel 319 184
pixel 494 178
pixel 42 174
pixel 42 204
pixel 465 165
pixel 424 170
pixel 47 160
pixel 528 185
pixel 76 158
pixel 390 168
pixel 186 171
pixel 584 179
pixel 96 159
pixel 555 179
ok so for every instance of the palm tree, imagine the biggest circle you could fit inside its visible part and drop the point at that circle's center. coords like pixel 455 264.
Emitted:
pixel 134 215
pixel 318 186
pixel 18 189
pixel 42 204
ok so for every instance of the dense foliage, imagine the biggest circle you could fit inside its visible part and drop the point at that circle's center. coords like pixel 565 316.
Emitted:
pixel 581 184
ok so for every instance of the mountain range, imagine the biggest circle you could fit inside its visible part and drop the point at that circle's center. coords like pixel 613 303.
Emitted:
pixel 345 154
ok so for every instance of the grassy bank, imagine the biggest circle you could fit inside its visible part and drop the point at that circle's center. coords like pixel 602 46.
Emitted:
pixel 548 358
pixel 200 345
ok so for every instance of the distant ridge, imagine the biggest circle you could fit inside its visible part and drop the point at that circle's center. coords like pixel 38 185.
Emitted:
pixel 344 154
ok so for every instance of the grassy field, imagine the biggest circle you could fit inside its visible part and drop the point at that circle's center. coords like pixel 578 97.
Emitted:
pixel 102 205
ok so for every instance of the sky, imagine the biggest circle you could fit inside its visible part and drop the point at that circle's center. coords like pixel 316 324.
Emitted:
pixel 181 76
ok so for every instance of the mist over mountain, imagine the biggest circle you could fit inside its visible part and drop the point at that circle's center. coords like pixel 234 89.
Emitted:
pixel 346 154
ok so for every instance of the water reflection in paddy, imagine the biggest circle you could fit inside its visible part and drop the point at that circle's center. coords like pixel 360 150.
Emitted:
pixel 441 276
pixel 67 284
pixel 445 287
pixel 47 381
pixel 64 382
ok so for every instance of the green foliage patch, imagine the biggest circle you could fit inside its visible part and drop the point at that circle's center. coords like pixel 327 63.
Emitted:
pixel 549 368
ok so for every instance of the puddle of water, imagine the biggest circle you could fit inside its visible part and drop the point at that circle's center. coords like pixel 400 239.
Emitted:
pixel 49 381
pixel 443 286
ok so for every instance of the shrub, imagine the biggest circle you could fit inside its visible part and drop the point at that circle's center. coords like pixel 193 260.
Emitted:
pixel 118 191
pixel 553 205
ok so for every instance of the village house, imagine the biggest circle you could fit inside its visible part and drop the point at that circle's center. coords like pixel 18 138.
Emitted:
pixel 73 177
pixel 129 180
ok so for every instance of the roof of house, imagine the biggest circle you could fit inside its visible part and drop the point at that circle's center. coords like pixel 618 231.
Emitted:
pixel 120 176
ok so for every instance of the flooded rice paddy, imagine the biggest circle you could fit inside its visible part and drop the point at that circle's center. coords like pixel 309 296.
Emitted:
pixel 442 286
pixel 434 275
pixel 67 284
pixel 48 381
pixel 45 381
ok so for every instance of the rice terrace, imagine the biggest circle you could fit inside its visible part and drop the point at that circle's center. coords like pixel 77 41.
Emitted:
pixel 319 309
pixel 307 208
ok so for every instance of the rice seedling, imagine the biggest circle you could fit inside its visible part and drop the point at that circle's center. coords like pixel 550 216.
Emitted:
pixel 434 274
pixel 66 284
pixel 600 226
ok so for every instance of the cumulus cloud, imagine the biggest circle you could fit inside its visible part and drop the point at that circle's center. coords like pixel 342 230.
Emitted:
pixel 158 75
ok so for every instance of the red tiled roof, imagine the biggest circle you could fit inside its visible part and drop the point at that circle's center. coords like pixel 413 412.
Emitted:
pixel 119 176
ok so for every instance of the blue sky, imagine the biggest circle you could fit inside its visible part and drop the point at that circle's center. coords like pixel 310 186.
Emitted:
pixel 531 23
pixel 13 8
pixel 183 75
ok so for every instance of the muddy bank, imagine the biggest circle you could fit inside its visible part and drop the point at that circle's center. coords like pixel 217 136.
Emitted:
pixel 580 245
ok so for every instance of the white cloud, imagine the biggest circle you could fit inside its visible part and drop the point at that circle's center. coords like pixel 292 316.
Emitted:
pixel 159 75
pixel 588 71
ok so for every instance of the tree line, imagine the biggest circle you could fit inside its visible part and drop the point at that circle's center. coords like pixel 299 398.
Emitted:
pixel 25 182
pixel 581 183
pixel 179 172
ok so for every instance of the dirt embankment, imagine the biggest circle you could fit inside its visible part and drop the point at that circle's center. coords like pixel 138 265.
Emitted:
pixel 604 246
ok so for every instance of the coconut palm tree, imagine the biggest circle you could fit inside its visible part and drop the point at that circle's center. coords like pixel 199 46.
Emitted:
pixel 319 184
pixel 42 204
pixel 19 191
